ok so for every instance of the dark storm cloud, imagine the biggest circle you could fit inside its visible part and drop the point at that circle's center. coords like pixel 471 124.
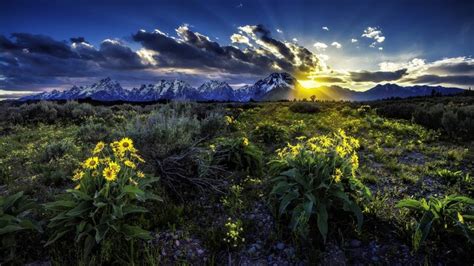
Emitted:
pixel 42 44
pixel 452 79
pixel 34 60
pixel 119 56
pixel 194 50
pixel 326 79
pixel 453 68
pixel 31 61
pixel 296 57
pixel 377 76
pixel 77 39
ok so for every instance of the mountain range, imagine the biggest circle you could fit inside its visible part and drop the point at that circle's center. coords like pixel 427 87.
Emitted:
pixel 277 86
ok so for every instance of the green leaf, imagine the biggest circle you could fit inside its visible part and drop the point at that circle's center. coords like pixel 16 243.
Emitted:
pixel 286 200
pixel 134 190
pixel 11 228
pixel 322 219
pixel 10 200
pixel 133 231
pixel 100 232
pixel 79 194
pixel 60 205
pixel 79 209
pixel 410 203
pixel 129 208
pixel 56 236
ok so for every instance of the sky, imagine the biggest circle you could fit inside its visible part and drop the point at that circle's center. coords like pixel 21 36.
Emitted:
pixel 48 45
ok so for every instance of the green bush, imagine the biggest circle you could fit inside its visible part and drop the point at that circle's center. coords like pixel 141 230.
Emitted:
pixel 448 215
pixel 107 193
pixel 15 216
pixel 270 133
pixel 238 154
pixel 305 108
pixel 315 180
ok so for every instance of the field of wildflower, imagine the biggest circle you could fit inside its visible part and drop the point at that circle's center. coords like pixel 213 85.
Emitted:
pixel 284 183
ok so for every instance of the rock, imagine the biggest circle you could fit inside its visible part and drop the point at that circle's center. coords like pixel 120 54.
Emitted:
pixel 280 246
pixel 355 243
pixel 252 250
pixel 290 252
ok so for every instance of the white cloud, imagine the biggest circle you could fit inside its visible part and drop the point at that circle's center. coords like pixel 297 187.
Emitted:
pixel 295 40
pixel 325 28
pixel 380 48
pixel 323 57
pixel 320 46
pixel 279 30
pixel 375 34
pixel 238 38
pixel 147 56
pixel 336 44
pixel 353 40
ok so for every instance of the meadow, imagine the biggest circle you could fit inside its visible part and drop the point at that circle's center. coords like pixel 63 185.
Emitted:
pixel 286 183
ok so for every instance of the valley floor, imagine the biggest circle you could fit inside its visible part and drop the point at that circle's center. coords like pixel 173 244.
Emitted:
pixel 220 204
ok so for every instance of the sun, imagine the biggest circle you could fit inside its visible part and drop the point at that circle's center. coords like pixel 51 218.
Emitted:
pixel 308 83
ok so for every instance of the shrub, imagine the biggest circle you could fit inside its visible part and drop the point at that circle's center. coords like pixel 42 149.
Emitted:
pixel 238 154
pixel 15 216
pixel 56 150
pixel 57 161
pixel 451 214
pixel 270 133
pixel 109 186
pixel 450 176
pixel 164 132
pixel 305 108
pixel 93 132
pixel 316 179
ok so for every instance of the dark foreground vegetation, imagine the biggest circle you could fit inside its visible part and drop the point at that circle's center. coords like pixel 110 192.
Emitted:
pixel 387 182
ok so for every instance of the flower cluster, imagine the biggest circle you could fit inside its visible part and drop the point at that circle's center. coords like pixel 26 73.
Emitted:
pixel 338 145
pixel 234 233
pixel 111 164
pixel 229 120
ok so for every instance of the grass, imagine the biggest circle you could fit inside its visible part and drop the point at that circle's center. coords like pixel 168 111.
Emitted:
pixel 398 159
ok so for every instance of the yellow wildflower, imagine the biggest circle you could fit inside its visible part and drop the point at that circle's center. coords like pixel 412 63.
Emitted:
pixel 116 149
pixel 341 151
pixel 130 164
pixel 460 218
pixel 106 160
pixel 99 147
pixel 95 173
pixel 91 163
pixel 114 166
pixel 337 175
pixel 78 175
pixel 245 141
pixel 138 157
pixel 126 144
pixel 109 174
pixel 212 147
pixel 132 181
pixel 77 187
pixel 355 161
pixel 140 174
pixel 228 120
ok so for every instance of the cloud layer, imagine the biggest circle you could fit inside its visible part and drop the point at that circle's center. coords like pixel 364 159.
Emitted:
pixel 29 61
pixel 38 60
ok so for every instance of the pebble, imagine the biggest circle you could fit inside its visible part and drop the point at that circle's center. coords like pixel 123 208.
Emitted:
pixel 280 246
pixel 355 243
